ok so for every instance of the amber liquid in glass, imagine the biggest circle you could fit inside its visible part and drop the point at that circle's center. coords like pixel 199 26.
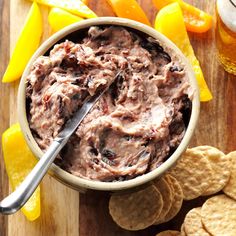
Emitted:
pixel 226 39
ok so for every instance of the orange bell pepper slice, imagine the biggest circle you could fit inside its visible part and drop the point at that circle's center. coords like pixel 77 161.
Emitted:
pixel 170 22
pixel 195 19
pixel 76 7
pixel 129 9
pixel 58 19
pixel 162 3
pixel 25 48
pixel 19 161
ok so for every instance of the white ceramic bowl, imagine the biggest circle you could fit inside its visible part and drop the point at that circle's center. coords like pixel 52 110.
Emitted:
pixel 83 184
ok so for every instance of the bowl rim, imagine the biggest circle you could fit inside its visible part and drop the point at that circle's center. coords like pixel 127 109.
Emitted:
pixel 76 182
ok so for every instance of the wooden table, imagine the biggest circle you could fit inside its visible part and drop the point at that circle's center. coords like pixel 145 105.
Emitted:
pixel 65 211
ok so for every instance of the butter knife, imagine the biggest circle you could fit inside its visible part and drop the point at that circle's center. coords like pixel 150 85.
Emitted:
pixel 19 197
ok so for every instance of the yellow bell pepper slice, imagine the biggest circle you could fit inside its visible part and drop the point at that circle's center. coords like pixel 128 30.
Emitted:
pixel 129 9
pixel 26 45
pixel 76 7
pixel 58 19
pixel 19 161
pixel 170 22
pixel 195 19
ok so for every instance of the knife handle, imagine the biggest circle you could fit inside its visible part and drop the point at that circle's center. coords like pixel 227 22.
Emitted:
pixel 23 192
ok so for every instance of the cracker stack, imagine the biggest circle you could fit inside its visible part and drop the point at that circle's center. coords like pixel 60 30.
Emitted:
pixel 201 171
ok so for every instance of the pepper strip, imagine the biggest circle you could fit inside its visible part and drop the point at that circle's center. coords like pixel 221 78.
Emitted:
pixel 170 22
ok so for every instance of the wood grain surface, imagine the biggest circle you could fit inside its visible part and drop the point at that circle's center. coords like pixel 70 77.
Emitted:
pixel 4 99
pixel 65 211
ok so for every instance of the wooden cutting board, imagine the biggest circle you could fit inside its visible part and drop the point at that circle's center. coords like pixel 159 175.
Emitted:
pixel 65 212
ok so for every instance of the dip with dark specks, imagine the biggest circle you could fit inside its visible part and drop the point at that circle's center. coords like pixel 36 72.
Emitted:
pixel 134 127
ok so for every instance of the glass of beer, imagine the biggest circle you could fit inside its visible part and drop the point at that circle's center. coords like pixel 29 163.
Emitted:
pixel 226 34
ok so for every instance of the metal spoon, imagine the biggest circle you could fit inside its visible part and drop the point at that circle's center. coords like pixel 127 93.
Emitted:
pixel 19 197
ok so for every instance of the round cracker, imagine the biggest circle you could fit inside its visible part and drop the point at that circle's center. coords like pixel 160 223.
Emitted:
pixel 182 231
pixel 230 188
pixel 167 196
pixel 220 165
pixel 194 173
pixel 169 233
pixel 219 215
pixel 138 210
pixel 177 198
pixel 193 223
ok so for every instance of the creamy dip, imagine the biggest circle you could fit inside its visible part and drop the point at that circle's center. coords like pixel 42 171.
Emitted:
pixel 134 127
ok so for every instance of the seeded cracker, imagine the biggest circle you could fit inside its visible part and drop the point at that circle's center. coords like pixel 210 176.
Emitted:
pixel 230 188
pixel 194 173
pixel 136 211
pixel 167 195
pixel 169 233
pixel 193 223
pixel 220 164
pixel 219 215
pixel 177 198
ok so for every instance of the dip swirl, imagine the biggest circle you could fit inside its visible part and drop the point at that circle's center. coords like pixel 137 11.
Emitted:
pixel 134 127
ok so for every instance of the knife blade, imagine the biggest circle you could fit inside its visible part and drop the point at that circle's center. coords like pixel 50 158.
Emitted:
pixel 72 124
pixel 20 196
